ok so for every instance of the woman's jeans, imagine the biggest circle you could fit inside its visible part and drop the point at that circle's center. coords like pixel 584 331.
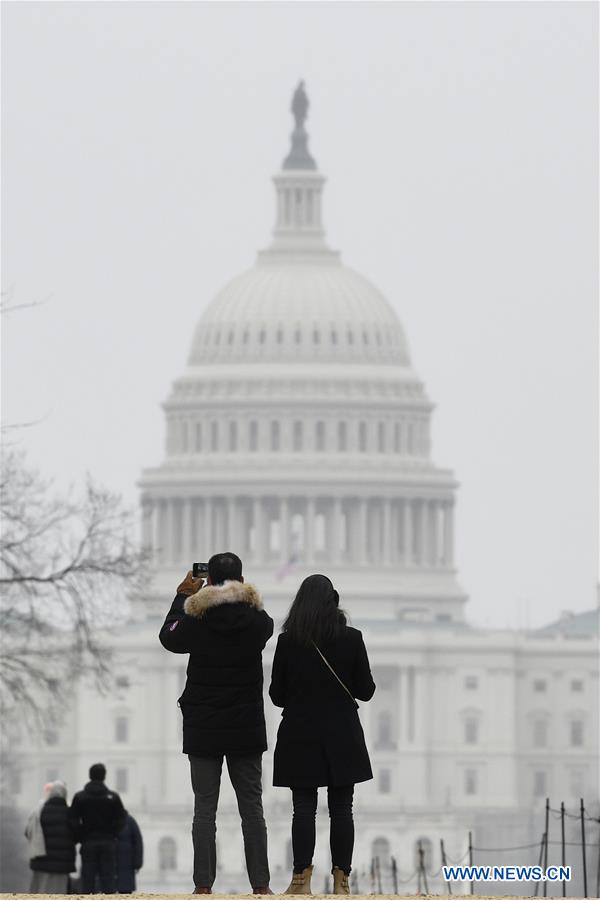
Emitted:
pixel 341 834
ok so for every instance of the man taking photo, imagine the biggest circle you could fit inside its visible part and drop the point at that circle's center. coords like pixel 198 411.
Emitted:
pixel 224 628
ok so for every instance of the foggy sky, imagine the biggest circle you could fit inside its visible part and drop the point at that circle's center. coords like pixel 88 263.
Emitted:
pixel 460 146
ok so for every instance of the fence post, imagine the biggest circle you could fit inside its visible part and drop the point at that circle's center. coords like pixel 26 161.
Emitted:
pixel 395 874
pixel 563 857
pixel 378 873
pixel 444 862
pixel 598 872
pixel 542 845
pixel 547 829
pixel 582 814
pixel 471 859
pixel 422 872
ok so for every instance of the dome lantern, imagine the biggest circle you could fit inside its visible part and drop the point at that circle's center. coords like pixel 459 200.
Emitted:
pixel 299 185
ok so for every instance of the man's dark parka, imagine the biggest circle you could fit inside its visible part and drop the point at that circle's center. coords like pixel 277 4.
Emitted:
pixel 224 628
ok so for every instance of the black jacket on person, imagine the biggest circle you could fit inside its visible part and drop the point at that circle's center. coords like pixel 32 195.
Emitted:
pixel 96 813
pixel 320 740
pixel 58 838
pixel 224 629
pixel 130 855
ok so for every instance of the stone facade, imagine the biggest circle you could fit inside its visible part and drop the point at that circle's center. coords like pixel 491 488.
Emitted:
pixel 298 436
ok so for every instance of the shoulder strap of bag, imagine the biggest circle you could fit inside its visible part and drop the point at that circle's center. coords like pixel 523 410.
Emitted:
pixel 335 674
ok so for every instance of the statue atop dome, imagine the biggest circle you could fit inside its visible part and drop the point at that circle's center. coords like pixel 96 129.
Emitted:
pixel 299 156
pixel 300 105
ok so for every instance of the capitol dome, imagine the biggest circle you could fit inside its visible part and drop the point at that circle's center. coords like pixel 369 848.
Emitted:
pixel 299 311
pixel 299 434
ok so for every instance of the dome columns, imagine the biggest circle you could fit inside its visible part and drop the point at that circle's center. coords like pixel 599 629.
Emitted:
pixel 390 531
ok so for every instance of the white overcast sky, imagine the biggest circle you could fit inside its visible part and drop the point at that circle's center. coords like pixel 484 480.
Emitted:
pixel 460 142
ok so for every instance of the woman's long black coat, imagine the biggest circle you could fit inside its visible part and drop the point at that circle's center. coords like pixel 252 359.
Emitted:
pixel 320 739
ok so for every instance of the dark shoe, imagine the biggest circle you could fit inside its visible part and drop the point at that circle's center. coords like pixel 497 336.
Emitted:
pixel 340 881
pixel 199 889
pixel 262 890
pixel 300 883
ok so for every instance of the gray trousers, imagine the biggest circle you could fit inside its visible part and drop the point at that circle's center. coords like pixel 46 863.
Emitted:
pixel 246 777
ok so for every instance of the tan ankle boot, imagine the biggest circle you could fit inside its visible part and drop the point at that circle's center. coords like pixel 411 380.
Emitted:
pixel 340 881
pixel 300 883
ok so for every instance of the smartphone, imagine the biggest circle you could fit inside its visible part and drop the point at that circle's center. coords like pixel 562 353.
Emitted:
pixel 200 570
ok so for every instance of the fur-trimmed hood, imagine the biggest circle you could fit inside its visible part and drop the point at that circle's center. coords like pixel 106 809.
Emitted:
pixel 214 595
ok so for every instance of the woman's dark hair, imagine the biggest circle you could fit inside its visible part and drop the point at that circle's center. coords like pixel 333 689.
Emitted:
pixel 315 615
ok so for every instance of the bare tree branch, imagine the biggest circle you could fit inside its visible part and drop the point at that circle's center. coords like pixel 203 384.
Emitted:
pixel 65 564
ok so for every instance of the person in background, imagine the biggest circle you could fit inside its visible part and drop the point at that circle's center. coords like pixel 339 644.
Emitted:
pixel 97 816
pixel 130 855
pixel 319 668
pixel 51 842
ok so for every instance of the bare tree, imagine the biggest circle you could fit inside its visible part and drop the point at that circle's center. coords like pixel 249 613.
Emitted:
pixel 65 564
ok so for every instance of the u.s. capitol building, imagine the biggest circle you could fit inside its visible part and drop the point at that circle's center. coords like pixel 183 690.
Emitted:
pixel 298 436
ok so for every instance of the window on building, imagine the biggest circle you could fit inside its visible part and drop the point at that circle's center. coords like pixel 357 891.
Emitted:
pixel 470 782
pixel 384 728
pixel 122 681
pixel 384 781
pixel 214 436
pixel 262 336
pixel 471 730
pixel 576 732
pixel 334 337
pixel 275 434
pixel 362 436
pixel 245 337
pixel 365 337
pixel 381 437
pixel 471 682
pixel 342 436
pixel 539 784
pixel 253 437
pixel 540 685
pixel 424 850
pixel 316 336
pixel 198 436
pixel 577 783
pixel 540 733
pixel 297 335
pixel 121 780
pixel 167 854
pixel 350 337
pixel 233 436
pixel 279 336
pixel 121 729
pixel 380 849
pixel 218 338
pixel 577 685
pixel 51 737
pixel 320 436
pixel 297 436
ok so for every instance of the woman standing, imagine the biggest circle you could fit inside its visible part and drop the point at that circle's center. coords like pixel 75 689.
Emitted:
pixel 320 666
pixel 52 843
